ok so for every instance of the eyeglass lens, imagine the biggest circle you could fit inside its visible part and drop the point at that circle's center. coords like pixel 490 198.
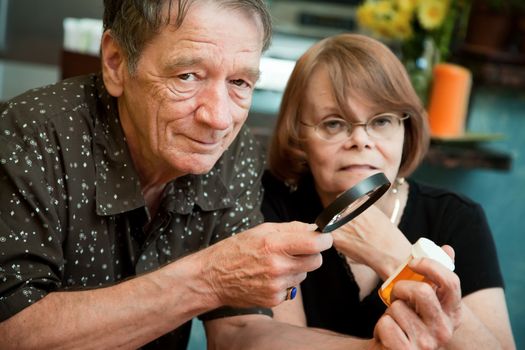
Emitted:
pixel 380 126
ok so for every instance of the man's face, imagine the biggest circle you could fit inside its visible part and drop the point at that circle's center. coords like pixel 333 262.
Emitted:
pixel 191 91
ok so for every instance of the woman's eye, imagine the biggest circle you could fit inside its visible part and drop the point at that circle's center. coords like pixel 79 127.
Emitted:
pixel 334 125
pixel 381 121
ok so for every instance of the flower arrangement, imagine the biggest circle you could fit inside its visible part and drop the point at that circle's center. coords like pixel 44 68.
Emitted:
pixel 423 28
pixel 412 20
pixel 394 18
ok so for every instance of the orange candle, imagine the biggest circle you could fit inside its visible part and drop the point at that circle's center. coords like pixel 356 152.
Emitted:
pixel 448 105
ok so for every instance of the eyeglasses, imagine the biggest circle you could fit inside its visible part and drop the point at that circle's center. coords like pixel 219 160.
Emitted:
pixel 381 126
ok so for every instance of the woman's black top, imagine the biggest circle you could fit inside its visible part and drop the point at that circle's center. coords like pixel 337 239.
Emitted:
pixel 330 293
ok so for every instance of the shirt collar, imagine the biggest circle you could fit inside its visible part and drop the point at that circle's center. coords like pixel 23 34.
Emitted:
pixel 207 191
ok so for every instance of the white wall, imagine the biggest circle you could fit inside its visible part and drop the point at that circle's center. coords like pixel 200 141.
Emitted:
pixel 17 77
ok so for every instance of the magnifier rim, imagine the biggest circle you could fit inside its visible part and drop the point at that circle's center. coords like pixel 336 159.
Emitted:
pixel 375 185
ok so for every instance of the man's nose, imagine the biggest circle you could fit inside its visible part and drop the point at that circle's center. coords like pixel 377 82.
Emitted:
pixel 214 108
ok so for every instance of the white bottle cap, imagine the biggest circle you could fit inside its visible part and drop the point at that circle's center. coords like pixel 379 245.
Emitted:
pixel 425 248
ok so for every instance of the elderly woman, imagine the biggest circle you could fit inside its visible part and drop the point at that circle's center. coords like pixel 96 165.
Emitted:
pixel 349 111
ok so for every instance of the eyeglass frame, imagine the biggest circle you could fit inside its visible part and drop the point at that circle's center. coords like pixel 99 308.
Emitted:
pixel 350 125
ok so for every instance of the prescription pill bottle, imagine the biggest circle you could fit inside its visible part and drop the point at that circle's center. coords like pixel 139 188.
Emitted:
pixel 423 248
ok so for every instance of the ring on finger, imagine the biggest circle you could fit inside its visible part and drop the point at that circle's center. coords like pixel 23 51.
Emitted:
pixel 291 292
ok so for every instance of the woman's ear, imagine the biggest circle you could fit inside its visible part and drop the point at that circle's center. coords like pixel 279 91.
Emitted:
pixel 113 64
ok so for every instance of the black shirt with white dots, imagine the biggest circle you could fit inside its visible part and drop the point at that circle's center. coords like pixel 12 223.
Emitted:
pixel 72 211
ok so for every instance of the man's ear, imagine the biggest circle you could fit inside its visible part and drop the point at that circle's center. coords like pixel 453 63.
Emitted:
pixel 114 64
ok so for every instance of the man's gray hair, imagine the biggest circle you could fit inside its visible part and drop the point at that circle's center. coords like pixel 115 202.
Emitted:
pixel 133 23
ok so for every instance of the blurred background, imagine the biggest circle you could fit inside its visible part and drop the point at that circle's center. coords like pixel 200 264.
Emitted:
pixel 42 42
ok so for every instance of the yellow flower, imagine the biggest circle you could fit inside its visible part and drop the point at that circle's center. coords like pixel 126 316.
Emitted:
pixel 401 26
pixel 366 15
pixel 383 19
pixel 431 13
pixel 407 5
pixel 383 8
pixel 396 19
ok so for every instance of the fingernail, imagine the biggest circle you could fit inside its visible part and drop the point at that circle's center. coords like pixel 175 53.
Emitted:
pixel 312 227
pixel 414 262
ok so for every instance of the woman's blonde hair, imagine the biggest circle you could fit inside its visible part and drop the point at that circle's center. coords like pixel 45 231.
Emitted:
pixel 360 67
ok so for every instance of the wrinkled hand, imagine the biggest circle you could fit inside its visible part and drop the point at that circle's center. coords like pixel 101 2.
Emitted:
pixel 256 267
pixel 371 239
pixel 423 315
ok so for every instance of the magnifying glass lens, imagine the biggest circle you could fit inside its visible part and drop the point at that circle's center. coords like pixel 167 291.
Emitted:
pixel 349 209
pixel 352 202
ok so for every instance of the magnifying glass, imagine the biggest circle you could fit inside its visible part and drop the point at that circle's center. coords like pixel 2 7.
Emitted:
pixel 352 202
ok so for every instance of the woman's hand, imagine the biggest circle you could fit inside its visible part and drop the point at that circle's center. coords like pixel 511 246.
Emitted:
pixel 423 315
pixel 371 239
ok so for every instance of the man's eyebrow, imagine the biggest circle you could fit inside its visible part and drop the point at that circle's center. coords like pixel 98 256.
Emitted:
pixel 253 73
pixel 181 62
pixel 184 61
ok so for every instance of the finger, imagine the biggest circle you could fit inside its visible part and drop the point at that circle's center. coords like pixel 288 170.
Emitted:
pixel 291 292
pixel 292 238
pixel 288 292
pixel 293 226
pixel 388 333
pixel 422 299
pixel 431 269
pixel 420 334
pixel 420 296
pixel 307 263
pixel 305 242
pixel 448 287
pixel 296 279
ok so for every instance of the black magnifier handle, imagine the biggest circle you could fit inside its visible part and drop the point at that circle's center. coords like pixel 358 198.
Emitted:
pixel 352 202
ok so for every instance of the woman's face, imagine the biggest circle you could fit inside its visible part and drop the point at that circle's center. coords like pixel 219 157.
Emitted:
pixel 339 165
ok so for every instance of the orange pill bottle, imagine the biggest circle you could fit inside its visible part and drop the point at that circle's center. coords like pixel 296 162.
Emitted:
pixel 423 248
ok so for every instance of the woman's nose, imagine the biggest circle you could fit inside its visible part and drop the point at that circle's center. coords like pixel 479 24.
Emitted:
pixel 357 136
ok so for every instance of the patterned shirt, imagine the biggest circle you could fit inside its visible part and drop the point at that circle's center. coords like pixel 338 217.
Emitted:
pixel 72 211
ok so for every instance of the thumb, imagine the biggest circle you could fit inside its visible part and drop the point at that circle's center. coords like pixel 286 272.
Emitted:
pixel 295 226
pixel 449 250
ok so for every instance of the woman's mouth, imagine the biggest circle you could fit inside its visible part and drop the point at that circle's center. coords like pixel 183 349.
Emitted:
pixel 358 167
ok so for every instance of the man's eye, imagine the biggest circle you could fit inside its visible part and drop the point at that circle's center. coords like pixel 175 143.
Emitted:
pixel 187 76
pixel 240 82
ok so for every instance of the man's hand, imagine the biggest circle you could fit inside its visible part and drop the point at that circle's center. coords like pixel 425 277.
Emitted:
pixel 256 267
